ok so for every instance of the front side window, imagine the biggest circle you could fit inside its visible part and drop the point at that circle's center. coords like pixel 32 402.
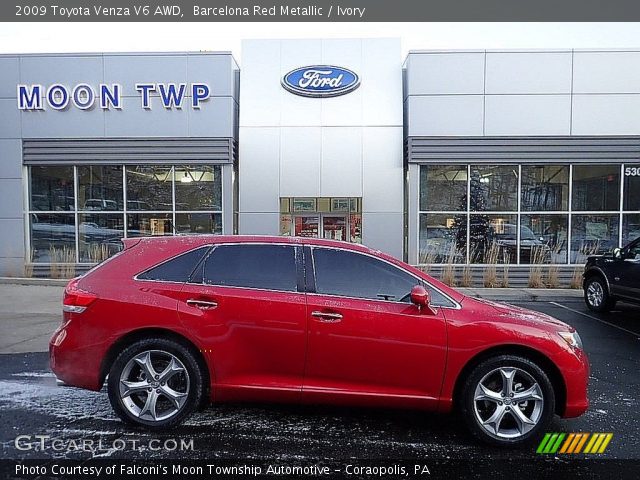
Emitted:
pixel 267 267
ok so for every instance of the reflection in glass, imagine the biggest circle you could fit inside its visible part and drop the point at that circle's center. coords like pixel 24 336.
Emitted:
pixel 494 188
pixel 53 237
pixel 149 187
pixel 306 227
pixel 443 238
pixel 143 224
pixel 100 188
pixel 99 235
pixel 631 200
pixel 592 235
pixel 199 223
pixel 494 239
pixel 198 187
pixel 355 228
pixel 596 187
pixel 545 187
pixel 443 188
pixel 630 227
pixel 285 225
pixel 543 238
pixel 334 228
pixel 51 188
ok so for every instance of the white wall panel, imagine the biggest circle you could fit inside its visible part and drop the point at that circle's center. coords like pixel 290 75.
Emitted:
pixel 606 72
pixel 445 115
pixel 528 115
pixel 528 72
pixel 381 88
pixel 341 167
pixel 300 151
pixel 382 169
pixel 259 223
pixel 345 109
pixel 260 88
pixel 259 170
pixel 606 115
pixel 446 73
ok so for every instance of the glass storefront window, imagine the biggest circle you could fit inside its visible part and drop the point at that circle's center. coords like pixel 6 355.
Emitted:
pixel 100 188
pixel 545 188
pixel 593 234
pixel 630 227
pixel 53 237
pixel 443 188
pixel 443 238
pixel 199 222
pixel 494 188
pixel 149 224
pixel 99 236
pixel 631 199
pixel 149 187
pixel 543 238
pixel 493 238
pixel 198 187
pixel 51 188
pixel 596 188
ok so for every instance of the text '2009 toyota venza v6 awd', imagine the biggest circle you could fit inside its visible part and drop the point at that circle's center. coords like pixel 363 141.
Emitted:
pixel 180 321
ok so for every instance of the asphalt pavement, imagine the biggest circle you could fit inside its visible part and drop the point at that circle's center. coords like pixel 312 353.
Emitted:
pixel 32 405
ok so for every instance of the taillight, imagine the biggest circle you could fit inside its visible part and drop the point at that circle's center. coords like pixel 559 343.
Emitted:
pixel 75 299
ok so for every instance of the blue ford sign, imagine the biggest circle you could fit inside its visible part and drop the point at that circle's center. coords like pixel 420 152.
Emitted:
pixel 321 81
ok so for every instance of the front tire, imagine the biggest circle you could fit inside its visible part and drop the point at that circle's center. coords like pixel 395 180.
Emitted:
pixel 596 295
pixel 155 383
pixel 507 400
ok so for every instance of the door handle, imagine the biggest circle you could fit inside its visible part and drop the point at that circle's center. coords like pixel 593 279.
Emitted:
pixel 327 317
pixel 201 304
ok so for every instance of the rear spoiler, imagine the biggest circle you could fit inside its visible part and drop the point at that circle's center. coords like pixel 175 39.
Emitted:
pixel 130 242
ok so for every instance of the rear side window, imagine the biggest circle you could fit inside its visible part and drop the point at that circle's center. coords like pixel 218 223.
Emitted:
pixel 268 267
pixel 177 269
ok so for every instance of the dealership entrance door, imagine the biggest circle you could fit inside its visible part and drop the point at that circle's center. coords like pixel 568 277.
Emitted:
pixel 322 217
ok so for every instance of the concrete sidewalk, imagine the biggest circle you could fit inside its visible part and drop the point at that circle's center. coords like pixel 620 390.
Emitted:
pixel 30 309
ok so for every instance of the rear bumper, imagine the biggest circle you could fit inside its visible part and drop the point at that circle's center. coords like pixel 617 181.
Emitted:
pixel 75 364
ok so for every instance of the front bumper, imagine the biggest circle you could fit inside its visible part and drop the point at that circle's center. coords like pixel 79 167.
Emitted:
pixel 576 378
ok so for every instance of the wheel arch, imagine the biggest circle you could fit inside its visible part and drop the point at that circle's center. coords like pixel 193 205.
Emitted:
pixel 555 376
pixel 155 332
pixel 597 272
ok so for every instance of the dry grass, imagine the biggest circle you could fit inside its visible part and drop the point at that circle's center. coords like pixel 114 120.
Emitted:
pixel 553 279
pixel 504 281
pixel 427 260
pixel 98 252
pixel 449 271
pixel 536 279
pixel 576 278
pixel 63 262
pixel 28 265
pixel 490 278
pixel 467 277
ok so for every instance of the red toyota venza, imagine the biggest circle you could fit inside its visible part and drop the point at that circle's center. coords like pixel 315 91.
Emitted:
pixel 173 323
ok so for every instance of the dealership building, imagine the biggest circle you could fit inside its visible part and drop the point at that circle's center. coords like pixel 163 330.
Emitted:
pixel 466 157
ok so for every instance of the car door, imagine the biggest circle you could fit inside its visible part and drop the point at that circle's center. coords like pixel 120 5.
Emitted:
pixel 366 340
pixel 247 306
pixel 626 272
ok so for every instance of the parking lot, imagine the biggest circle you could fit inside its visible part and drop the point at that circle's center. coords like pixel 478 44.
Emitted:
pixel 32 404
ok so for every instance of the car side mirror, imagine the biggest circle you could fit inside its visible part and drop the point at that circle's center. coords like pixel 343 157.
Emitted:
pixel 421 298
pixel 617 253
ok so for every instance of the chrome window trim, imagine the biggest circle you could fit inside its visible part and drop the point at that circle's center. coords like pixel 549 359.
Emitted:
pixel 455 305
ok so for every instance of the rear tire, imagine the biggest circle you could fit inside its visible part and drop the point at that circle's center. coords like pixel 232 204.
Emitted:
pixel 155 383
pixel 507 400
pixel 596 295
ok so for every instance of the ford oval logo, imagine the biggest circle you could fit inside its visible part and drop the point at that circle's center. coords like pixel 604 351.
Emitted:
pixel 321 81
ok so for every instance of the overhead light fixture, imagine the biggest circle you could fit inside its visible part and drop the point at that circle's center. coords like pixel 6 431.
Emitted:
pixel 187 178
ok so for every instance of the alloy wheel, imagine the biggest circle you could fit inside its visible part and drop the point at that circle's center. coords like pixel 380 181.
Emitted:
pixel 595 294
pixel 508 402
pixel 154 385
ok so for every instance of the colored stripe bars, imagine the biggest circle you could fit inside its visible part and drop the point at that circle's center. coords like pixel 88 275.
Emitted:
pixel 574 443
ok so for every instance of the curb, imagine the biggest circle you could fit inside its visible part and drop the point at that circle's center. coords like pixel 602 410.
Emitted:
pixel 43 282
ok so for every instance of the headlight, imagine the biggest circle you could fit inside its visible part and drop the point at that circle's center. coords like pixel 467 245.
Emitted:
pixel 572 338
